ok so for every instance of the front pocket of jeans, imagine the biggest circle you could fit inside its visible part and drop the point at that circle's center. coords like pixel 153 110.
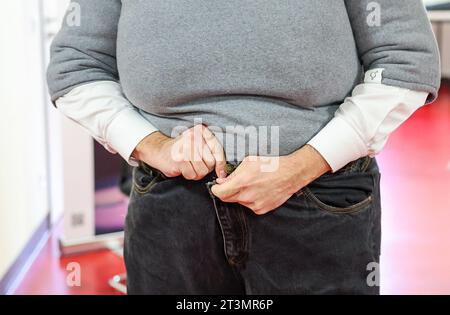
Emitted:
pixel 350 209
pixel 144 182
pixel 342 194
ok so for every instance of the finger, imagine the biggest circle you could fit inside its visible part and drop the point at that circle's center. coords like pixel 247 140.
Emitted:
pixel 203 152
pixel 234 198
pixel 187 170
pixel 245 196
pixel 197 157
pixel 188 146
pixel 249 205
pixel 221 180
pixel 208 157
pixel 227 189
pixel 217 151
pixel 189 140
pixel 200 169
pixel 254 207
pixel 226 177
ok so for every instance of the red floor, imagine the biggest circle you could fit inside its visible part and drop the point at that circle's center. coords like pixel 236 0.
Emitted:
pixel 48 274
pixel 415 167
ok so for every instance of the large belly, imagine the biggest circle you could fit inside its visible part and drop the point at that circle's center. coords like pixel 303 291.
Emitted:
pixel 173 52
pixel 248 125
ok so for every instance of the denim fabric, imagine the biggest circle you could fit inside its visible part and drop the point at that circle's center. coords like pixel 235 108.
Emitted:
pixel 181 239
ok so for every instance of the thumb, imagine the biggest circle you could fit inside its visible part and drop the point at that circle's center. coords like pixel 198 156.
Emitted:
pixel 220 168
pixel 221 180
pixel 230 173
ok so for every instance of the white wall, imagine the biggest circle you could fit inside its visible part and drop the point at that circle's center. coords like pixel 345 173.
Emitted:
pixel 23 177
pixel 71 156
pixel 41 172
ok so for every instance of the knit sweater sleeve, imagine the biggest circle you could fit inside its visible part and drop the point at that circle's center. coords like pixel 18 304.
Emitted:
pixel 84 50
pixel 396 37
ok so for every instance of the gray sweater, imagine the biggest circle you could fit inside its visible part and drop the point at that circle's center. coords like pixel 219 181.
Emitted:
pixel 285 63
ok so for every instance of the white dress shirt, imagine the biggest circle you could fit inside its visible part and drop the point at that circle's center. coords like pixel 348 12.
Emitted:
pixel 360 127
pixel 102 109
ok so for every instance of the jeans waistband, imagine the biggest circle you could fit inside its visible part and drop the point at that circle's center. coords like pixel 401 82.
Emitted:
pixel 359 165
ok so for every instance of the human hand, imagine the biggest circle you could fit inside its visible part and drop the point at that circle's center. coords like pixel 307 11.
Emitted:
pixel 263 191
pixel 193 154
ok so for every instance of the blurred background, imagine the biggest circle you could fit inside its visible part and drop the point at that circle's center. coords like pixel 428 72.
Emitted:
pixel 63 198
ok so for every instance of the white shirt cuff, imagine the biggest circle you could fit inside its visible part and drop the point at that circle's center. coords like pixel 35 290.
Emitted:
pixel 339 144
pixel 125 132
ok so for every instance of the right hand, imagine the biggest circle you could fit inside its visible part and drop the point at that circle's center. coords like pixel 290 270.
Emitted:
pixel 193 154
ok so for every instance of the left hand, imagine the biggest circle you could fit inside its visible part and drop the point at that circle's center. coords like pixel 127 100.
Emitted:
pixel 262 190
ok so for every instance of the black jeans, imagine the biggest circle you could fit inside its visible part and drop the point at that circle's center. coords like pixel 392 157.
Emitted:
pixel 180 239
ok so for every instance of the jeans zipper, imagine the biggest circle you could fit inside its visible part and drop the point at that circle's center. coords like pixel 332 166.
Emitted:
pixel 209 185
